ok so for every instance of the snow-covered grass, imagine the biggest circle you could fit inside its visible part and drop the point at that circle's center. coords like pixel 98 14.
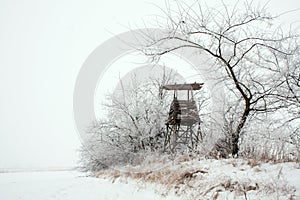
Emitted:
pixel 158 178
pixel 192 178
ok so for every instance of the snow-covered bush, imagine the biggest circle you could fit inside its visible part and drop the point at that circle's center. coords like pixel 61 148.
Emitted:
pixel 133 125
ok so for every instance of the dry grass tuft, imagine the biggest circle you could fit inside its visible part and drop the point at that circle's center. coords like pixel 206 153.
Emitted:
pixel 170 178
pixel 253 162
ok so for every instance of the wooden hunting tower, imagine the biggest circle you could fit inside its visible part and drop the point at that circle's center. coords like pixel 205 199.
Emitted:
pixel 182 120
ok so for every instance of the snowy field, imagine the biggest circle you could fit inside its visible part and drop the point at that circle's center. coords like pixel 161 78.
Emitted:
pixel 189 179
pixel 69 185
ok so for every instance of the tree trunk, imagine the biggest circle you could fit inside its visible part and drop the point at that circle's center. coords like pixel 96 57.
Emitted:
pixel 236 135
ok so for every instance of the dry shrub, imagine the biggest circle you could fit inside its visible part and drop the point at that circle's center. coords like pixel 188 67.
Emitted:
pixel 222 148
pixel 185 158
pixel 270 152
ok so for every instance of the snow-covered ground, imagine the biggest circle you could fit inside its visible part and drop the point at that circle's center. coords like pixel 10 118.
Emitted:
pixel 70 185
pixel 182 178
pixel 201 178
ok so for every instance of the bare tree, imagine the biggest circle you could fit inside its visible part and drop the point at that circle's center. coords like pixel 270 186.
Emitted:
pixel 249 51
pixel 290 90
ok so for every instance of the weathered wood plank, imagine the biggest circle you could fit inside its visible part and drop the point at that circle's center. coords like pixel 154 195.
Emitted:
pixel 191 86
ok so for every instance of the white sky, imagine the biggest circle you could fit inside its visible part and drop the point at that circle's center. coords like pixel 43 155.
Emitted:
pixel 42 47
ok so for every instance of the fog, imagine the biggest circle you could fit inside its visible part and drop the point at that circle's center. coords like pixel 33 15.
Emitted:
pixel 43 46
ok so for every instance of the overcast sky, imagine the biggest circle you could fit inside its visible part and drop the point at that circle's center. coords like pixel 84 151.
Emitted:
pixel 43 44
